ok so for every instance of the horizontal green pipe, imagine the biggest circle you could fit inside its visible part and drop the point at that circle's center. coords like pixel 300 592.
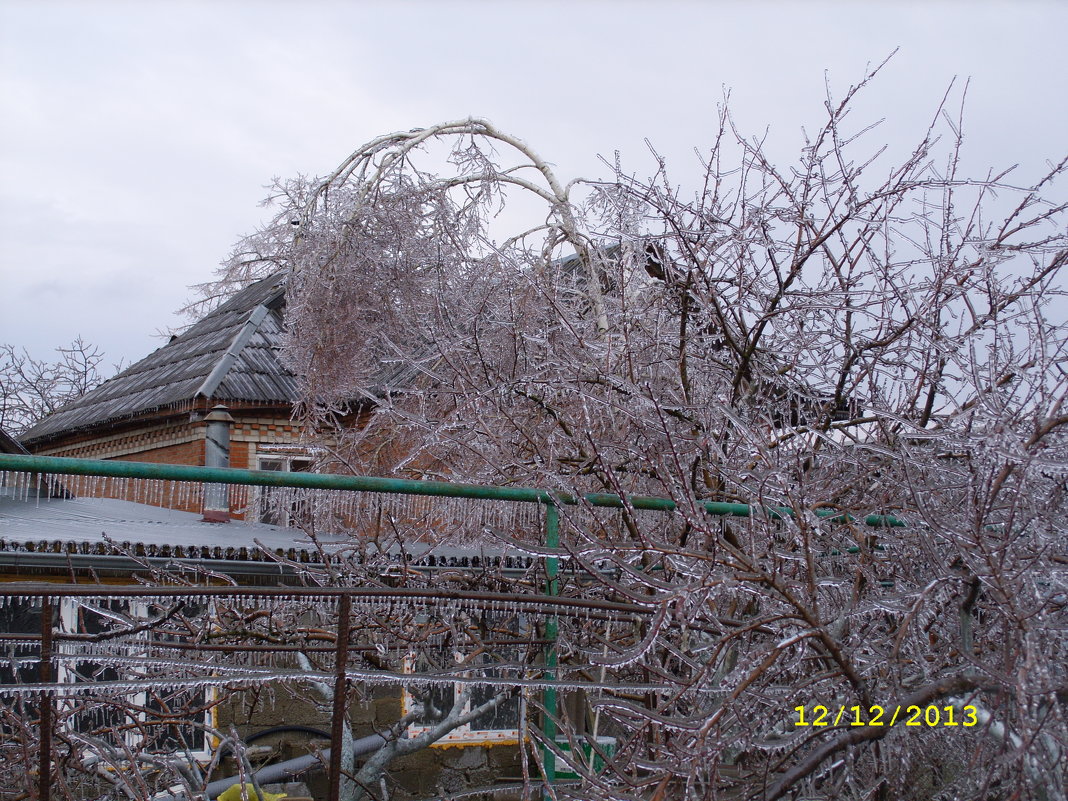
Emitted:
pixel 442 489
pixel 264 478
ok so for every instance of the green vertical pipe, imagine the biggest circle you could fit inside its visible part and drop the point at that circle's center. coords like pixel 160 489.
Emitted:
pixel 552 587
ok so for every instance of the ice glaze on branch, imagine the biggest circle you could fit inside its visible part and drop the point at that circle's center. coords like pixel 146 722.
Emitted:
pixel 839 333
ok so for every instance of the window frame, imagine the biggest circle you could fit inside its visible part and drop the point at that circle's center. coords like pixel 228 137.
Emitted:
pixel 137 705
pixel 465 735
pixel 286 461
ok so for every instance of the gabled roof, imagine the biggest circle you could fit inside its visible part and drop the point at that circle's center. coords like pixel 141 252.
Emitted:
pixel 9 444
pixel 231 354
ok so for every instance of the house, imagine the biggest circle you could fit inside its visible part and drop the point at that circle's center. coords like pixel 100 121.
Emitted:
pixel 160 410
pixel 54 534
pixel 156 410
pixel 55 539
pixel 153 411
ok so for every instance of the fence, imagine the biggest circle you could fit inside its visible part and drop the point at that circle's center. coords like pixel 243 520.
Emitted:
pixel 341 604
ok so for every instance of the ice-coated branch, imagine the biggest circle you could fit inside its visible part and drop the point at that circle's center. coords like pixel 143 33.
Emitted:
pixel 399 744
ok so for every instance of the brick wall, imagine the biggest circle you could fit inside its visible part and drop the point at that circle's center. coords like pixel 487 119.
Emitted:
pixel 178 442
pixel 191 452
pixel 173 438
pixel 187 499
pixel 129 444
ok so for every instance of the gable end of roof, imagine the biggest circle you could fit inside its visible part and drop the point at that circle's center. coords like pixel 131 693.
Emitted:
pixel 207 360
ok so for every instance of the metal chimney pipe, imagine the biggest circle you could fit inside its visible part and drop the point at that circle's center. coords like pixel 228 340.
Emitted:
pixel 217 454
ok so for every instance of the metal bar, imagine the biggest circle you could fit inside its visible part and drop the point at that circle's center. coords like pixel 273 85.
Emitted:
pixel 267 478
pixel 264 478
pixel 341 695
pixel 126 565
pixel 107 564
pixel 226 647
pixel 261 676
pixel 40 589
pixel 552 588
pixel 44 674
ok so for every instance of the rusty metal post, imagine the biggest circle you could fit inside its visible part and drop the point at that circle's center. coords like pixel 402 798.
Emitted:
pixel 44 676
pixel 341 694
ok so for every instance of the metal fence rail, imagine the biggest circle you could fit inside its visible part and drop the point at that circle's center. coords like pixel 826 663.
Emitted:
pixel 342 600
pixel 227 475
pixel 547 604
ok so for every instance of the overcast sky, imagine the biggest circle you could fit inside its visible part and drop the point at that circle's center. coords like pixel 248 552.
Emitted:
pixel 136 138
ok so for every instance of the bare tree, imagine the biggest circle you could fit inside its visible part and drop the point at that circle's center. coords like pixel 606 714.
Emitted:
pixel 31 389
pixel 869 355
pixel 847 376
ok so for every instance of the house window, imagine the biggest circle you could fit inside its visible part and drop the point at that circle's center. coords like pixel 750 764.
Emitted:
pixel 20 624
pixel 20 617
pixel 160 719
pixel 163 719
pixel 281 506
pixel 498 726
pixel 103 715
pixel 148 720
pixel 172 705
pixel 284 463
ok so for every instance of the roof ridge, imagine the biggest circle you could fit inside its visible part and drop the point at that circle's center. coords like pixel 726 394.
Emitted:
pixel 200 362
pixel 222 367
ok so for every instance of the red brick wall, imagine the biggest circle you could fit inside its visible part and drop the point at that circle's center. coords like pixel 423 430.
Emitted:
pixel 186 453
pixel 174 439
pixel 239 456
pixel 171 495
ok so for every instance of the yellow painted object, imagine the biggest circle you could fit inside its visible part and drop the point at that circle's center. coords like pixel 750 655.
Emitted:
pixel 234 794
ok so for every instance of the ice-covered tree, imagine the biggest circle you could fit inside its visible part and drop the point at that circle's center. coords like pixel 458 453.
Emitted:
pixel 31 389
pixel 870 355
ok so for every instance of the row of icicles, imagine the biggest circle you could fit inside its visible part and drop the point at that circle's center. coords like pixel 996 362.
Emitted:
pixel 324 511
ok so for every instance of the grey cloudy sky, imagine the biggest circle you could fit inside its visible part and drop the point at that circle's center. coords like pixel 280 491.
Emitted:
pixel 136 137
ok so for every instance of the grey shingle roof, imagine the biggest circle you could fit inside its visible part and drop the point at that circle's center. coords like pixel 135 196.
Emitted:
pixel 9 444
pixel 231 354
